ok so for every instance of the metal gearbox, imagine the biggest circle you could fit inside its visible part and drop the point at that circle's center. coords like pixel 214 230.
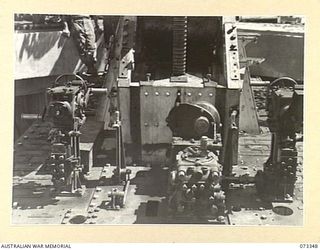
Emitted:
pixel 195 178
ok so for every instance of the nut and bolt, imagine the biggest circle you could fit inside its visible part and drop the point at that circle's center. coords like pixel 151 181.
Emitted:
pixel 263 217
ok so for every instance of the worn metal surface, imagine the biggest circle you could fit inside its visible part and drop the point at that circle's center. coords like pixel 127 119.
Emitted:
pixel 248 121
pixel 282 45
pixel 254 151
pixel 33 202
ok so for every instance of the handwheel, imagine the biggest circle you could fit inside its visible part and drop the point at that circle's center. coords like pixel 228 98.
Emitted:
pixel 58 82
pixel 284 82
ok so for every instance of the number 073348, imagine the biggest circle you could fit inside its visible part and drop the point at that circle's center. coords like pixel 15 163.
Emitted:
pixel 308 246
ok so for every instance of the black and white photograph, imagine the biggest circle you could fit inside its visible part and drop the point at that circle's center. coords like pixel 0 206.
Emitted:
pixel 158 119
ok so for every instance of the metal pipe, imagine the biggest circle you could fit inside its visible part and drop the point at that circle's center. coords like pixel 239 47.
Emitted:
pixel 99 90
pixel 31 116
pixel 126 188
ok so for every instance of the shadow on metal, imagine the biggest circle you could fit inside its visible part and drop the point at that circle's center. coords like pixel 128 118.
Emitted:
pixel 32 195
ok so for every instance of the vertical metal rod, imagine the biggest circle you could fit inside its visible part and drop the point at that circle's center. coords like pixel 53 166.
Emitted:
pixel 78 146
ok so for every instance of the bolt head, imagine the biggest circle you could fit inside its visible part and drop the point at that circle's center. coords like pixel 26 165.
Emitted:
pixel 220 218
pixel 263 217
pixel 15 204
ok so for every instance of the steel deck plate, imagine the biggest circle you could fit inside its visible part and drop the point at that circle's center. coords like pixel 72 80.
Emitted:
pixel 34 202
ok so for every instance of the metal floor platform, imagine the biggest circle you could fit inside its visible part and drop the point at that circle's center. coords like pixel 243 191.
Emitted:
pixel 34 202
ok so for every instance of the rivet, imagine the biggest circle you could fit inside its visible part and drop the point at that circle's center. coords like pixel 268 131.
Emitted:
pixel 200 94
pixel 210 94
pixel 156 93
pixel 146 124
pixel 167 94
pixel 188 94
pixel 146 93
